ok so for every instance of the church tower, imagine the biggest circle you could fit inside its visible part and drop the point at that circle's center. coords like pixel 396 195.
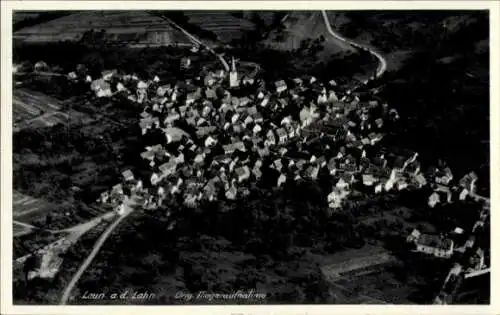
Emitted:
pixel 233 75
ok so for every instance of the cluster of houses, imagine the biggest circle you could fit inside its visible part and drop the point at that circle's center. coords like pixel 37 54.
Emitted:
pixel 219 143
pixel 468 255
pixel 444 191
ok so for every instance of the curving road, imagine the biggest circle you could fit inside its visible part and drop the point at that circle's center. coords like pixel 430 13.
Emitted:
pixel 382 66
pixel 97 246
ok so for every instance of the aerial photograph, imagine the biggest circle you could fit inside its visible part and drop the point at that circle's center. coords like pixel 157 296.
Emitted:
pixel 195 157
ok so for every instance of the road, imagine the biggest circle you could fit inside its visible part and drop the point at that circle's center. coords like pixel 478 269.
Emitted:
pixel 382 67
pixel 129 203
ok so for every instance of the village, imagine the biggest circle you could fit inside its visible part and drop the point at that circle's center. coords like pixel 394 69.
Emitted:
pixel 226 134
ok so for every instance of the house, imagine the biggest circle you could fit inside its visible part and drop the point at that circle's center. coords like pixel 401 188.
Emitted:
pixel 108 74
pixel 477 260
pixel 283 151
pixel 104 197
pixel 168 168
pixel 256 129
pixel 446 190
pixel 401 184
pixel 72 75
pixel 335 198
pixel 244 101
pixel 101 88
pixel 117 190
pixel 205 131
pixel 277 164
pixel 463 194
pixel 199 158
pixel 282 102
pixel 147 123
pixel 271 138
pixel 389 184
pixel 435 245
pixel 282 135
pixel 321 161
pixel 209 80
pixel 468 182
pixel 258 118
pixel 231 192
pixel 234 118
pixel 399 163
pixel 173 134
pixel 210 141
pixel 155 179
pixel 210 190
pixel 257 172
pixel 332 97
pixel 247 120
pixel 332 166
pixel 477 225
pixel 444 177
pixel 281 180
pixel 312 172
pixel 220 73
pixel 470 241
pixel 230 148
pixel 128 175
pixel 414 236
pixel 242 173
pixel 297 81
pixel 185 63
pixel 280 86
pixel 148 155
pixel 368 180
pixel 171 117
pixel 263 151
pixel 211 94
pixel 413 168
pixel 434 199
pixel 342 183
pixel 420 180
pixel 375 137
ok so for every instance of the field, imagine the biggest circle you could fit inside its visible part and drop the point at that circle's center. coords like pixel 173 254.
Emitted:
pixel 377 283
pixel 132 27
pixel 27 104
pixel 32 109
pixel 28 209
pixel 370 275
pixel 221 23
pixel 18 230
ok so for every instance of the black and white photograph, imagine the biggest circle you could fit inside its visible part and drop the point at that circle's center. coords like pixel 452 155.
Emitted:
pixel 250 156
